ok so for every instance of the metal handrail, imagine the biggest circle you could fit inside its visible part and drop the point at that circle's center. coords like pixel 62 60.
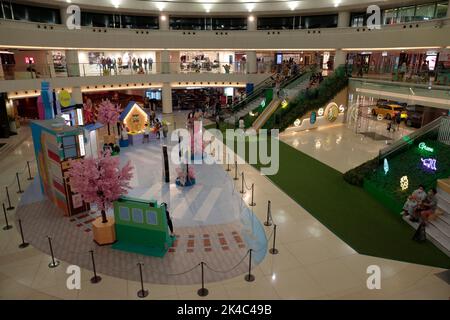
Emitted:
pixel 405 140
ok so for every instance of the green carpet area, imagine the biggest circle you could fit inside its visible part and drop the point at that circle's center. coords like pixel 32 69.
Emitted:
pixel 349 212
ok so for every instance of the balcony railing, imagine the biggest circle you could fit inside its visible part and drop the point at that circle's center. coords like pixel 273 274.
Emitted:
pixel 35 71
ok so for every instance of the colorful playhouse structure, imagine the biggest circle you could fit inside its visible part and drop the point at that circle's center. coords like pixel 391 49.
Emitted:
pixel 141 227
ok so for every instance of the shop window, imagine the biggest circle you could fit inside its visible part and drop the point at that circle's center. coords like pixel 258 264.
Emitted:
pixel 276 23
pixel 34 14
pixel 322 21
pixel 390 16
pixel 441 10
pixel 99 20
pixel 151 217
pixel 425 12
pixel 6 10
pixel 229 23
pixel 179 23
pixel 124 214
pixel 358 19
pixel 137 214
pixel 406 14
pixel 139 22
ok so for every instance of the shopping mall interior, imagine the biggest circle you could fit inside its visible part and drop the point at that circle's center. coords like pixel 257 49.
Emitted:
pixel 225 150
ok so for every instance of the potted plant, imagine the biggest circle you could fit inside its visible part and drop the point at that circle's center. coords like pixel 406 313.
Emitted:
pixel 101 182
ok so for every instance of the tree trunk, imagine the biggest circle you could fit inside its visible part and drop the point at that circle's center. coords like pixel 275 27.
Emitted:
pixel 109 131
pixel 104 220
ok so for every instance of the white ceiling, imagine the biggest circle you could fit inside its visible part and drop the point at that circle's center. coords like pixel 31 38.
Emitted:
pixel 226 7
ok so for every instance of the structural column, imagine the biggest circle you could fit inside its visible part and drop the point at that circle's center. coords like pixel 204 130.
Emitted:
pixel 77 95
pixel 166 98
pixel 448 9
pixel 251 62
pixel 163 22
pixel 344 19
pixel 50 67
pixel 73 65
pixel 2 75
pixel 165 61
pixel 252 23
pixel 339 58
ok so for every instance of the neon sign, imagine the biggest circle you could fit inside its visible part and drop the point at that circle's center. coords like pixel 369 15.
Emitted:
pixel 429 163
pixel 424 147
pixel 297 122
pixel 386 166
pixel 404 183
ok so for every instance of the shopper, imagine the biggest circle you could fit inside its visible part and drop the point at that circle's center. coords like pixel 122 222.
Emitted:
pixel 418 196
pixel 146 138
pixel 426 208
pixel 157 128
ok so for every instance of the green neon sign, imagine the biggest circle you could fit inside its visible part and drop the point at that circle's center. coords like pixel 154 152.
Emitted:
pixel 424 147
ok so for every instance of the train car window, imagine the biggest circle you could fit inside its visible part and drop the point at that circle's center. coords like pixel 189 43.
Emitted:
pixel 124 214
pixel 151 217
pixel 138 215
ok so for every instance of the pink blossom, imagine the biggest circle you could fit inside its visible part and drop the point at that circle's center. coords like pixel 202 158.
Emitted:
pixel 108 113
pixel 100 181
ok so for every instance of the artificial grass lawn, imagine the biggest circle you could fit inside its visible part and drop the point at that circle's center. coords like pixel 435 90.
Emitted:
pixel 349 212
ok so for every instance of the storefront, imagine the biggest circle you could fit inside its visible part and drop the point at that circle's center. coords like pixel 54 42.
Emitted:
pixel 210 61
pixel 116 62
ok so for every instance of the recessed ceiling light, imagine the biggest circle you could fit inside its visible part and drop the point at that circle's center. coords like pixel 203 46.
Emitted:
pixel 251 18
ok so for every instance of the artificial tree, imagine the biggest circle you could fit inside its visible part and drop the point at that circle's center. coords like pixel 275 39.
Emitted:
pixel 100 181
pixel 108 113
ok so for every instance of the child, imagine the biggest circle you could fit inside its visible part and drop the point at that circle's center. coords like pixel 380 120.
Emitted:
pixel 410 205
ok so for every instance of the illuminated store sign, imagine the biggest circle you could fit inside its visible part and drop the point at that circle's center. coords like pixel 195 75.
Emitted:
pixel 81 143
pixel 404 183
pixel 297 122
pixel 386 166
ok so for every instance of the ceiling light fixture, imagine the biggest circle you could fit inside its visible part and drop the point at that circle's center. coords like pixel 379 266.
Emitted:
pixel 115 3
pixel 292 5
pixel 160 5
pixel 250 6
pixel 251 18
pixel 163 17
pixel 207 7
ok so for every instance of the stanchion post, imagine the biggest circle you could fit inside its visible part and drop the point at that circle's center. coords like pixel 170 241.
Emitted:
pixel 141 293
pixel 202 292
pixel 54 263
pixel 10 207
pixel 228 163
pixel 252 203
pixel 18 183
pixel 95 278
pixel 29 171
pixel 23 244
pixel 242 184
pixel 249 277
pixel 274 250
pixel 235 171
pixel 8 226
pixel 268 221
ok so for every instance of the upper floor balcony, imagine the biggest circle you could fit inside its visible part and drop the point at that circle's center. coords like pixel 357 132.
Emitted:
pixel 28 35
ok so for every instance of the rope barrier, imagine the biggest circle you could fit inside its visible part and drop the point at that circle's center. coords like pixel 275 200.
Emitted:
pixel 231 269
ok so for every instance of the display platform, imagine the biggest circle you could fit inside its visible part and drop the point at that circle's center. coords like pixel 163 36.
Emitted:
pixel 211 222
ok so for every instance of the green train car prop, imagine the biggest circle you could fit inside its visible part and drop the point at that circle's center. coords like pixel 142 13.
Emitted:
pixel 141 227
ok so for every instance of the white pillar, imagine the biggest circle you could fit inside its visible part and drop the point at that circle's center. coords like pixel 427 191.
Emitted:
pixel 165 61
pixel 73 65
pixel 163 22
pixel 63 14
pixel 77 96
pixel 339 58
pixel 251 61
pixel 252 23
pixel 166 98
pixel 448 9
pixel 344 19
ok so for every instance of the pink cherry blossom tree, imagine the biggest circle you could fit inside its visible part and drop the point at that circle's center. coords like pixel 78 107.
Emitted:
pixel 108 113
pixel 100 181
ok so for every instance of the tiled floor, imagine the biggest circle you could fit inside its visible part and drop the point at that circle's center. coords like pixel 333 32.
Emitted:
pixel 312 262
